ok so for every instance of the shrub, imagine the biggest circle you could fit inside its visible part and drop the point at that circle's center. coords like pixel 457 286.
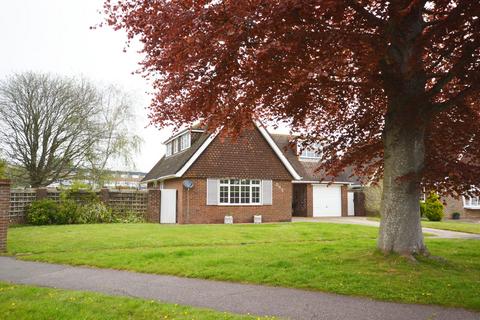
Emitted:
pixel 128 217
pixel 42 212
pixel 69 210
pixel 94 212
pixel 456 215
pixel 433 208
pixel 423 207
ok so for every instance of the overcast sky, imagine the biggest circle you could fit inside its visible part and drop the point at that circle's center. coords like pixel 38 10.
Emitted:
pixel 54 36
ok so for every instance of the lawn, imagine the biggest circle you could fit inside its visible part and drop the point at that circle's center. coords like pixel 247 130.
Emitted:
pixel 27 302
pixel 460 226
pixel 468 227
pixel 316 256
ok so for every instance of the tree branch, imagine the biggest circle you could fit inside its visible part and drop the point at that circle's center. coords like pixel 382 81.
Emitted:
pixel 367 15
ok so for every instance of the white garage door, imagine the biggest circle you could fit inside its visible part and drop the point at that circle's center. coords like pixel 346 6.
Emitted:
pixel 327 201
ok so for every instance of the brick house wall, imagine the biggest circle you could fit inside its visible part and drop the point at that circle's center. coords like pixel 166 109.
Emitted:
pixel 4 208
pixel 192 204
pixel 249 156
pixel 456 205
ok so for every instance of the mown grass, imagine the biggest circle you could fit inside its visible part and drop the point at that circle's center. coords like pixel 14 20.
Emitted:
pixel 468 227
pixel 27 302
pixel 460 226
pixel 316 256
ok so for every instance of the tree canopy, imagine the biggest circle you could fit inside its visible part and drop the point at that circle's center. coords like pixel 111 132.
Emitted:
pixel 327 68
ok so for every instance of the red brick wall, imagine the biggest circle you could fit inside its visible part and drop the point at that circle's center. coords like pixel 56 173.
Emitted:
pixel 153 206
pixel 4 207
pixel 247 157
pixel 456 205
pixel 192 205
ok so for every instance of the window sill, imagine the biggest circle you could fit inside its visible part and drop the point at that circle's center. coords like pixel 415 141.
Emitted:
pixel 239 204
pixel 472 207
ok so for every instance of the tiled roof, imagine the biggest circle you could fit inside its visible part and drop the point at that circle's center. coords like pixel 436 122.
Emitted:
pixel 307 169
pixel 172 164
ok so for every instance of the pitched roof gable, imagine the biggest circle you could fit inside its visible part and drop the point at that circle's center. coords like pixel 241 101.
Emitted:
pixel 177 164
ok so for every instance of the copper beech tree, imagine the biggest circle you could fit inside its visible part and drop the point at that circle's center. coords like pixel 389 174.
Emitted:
pixel 390 88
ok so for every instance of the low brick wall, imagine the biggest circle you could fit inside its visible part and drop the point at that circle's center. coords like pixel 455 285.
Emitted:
pixel 4 209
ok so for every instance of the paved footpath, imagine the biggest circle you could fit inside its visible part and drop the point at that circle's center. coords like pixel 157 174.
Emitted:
pixel 437 233
pixel 223 296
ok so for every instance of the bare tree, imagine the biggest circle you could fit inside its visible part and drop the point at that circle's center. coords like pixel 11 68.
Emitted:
pixel 47 123
pixel 117 140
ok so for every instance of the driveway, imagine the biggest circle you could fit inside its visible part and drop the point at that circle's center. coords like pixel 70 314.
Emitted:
pixel 223 296
pixel 446 234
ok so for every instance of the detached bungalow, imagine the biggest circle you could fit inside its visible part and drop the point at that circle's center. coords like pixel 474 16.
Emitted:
pixel 204 177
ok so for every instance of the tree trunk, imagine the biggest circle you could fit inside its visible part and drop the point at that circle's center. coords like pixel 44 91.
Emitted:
pixel 404 153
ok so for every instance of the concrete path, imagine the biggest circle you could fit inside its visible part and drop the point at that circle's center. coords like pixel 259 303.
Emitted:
pixel 446 234
pixel 223 296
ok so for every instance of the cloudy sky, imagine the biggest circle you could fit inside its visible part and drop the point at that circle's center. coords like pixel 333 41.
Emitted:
pixel 54 36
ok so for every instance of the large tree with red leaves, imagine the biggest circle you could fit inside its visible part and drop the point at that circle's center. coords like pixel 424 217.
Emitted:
pixel 388 87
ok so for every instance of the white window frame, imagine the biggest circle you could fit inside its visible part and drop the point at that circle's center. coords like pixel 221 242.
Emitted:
pixel 179 144
pixel 310 153
pixel 220 184
pixel 184 141
pixel 169 149
pixel 469 204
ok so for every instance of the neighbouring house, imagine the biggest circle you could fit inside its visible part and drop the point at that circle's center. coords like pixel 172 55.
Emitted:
pixel 466 206
pixel 114 179
pixel 204 177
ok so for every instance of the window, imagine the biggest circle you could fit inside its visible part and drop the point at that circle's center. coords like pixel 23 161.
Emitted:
pixel 184 141
pixel 471 203
pixel 239 191
pixel 312 152
pixel 169 149
pixel 179 144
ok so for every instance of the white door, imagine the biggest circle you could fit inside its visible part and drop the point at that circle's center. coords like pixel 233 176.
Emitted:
pixel 351 205
pixel 327 201
pixel 168 206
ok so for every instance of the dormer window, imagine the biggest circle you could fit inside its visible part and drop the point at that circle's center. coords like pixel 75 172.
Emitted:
pixel 313 152
pixel 178 144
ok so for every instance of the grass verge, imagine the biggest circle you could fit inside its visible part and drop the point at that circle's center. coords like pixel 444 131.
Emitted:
pixel 316 256
pixel 28 302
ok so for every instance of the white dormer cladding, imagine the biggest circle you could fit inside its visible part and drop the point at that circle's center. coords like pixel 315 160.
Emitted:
pixel 179 143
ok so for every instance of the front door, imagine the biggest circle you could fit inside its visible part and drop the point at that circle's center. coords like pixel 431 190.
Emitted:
pixel 168 206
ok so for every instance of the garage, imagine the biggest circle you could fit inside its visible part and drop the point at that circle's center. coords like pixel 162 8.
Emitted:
pixel 327 200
